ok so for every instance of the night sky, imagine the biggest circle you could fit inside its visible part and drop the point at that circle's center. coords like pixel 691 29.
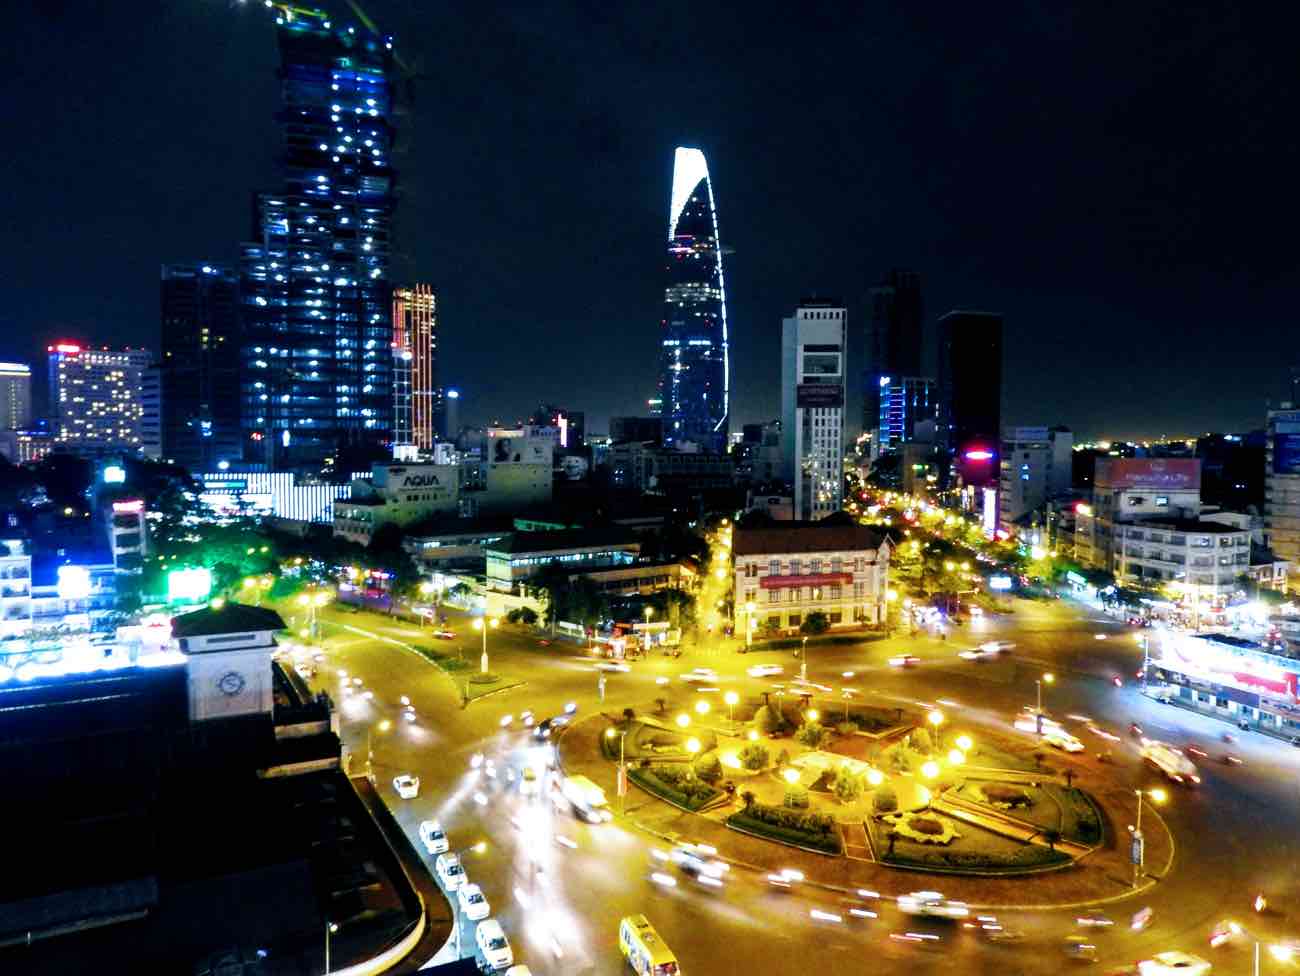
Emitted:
pixel 1117 179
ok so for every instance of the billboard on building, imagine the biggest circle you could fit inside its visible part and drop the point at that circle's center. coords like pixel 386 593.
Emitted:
pixel 819 395
pixel 1168 474
pixel 1286 453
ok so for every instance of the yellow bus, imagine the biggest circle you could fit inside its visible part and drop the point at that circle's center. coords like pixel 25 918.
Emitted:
pixel 644 950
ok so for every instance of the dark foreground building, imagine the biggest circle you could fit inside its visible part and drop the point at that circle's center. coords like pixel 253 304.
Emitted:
pixel 970 371
pixel 163 817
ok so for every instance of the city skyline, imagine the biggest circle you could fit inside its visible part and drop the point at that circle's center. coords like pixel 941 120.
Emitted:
pixel 1136 257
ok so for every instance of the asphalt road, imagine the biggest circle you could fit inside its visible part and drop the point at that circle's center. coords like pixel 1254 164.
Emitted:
pixel 560 900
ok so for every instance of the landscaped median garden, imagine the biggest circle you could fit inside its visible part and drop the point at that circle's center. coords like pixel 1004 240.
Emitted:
pixel 899 788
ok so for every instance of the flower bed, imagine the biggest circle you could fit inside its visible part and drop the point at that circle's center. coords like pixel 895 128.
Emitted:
pixel 923 828
pixel 813 830
pixel 973 851
pixel 674 785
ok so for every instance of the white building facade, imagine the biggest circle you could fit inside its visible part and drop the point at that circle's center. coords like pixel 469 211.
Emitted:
pixel 814 345
pixel 782 575
pixel 1035 468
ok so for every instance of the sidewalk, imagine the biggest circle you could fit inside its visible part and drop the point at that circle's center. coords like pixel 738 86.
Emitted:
pixel 1104 876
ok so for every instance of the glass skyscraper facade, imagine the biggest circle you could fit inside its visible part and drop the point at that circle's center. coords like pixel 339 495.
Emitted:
pixel 694 371
pixel 417 397
pixel 199 369
pixel 316 345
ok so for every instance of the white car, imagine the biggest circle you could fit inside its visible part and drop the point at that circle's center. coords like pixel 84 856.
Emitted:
pixel 765 670
pixel 407 786
pixel 472 902
pixel 904 661
pixel 1029 723
pixel 997 647
pixel 1174 964
pixel 974 654
pixel 700 674
pixel 450 871
pixel 931 903
pixel 493 944
pixel 1062 740
pixel 433 837
pixel 618 666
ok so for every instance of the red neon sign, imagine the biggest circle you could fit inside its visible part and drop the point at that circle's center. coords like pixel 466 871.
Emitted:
pixel 133 507
pixel 68 347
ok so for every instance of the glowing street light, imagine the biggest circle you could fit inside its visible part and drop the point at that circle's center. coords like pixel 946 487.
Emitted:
pixel 752 735
pixel 935 717
pixel 930 769
pixel 702 707
pixel 683 720
pixel 1046 679
pixel 1157 796
pixel 956 757
pixel 731 698
pixel 964 743
pixel 485 624
pixel 875 777
pixel 812 715
pixel 791 775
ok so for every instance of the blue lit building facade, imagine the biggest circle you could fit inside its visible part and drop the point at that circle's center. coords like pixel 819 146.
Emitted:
pixel 904 402
pixel 316 293
pixel 694 371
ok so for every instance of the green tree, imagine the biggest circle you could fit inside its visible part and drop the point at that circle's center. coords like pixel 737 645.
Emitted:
pixel 709 768
pixel 754 756
pixel 885 800
pixel 815 623
pixel 921 741
pixel 811 734
pixel 848 787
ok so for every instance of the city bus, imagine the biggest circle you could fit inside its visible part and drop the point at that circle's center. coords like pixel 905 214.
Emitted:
pixel 644 951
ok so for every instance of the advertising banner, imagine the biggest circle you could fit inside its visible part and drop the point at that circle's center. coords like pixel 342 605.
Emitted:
pixel 819 395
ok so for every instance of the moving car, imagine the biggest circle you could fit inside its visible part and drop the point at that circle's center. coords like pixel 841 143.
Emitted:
pixel 433 837
pixel 698 859
pixel 904 661
pixel 472 902
pixel 493 944
pixel 997 647
pixel 643 949
pixel 1062 740
pixel 1079 948
pixel 1094 920
pixel 445 634
pixel 1170 761
pixel 450 871
pixel 618 666
pixel 700 674
pixel 584 798
pixel 931 903
pixel 764 670
pixel 974 654
pixel 1174 964
pixel 407 786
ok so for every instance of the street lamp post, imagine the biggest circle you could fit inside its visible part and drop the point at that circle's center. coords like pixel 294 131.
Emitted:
pixel 330 929
pixel 1158 796
pixel 622 768
pixel 803 664
pixel 649 612
pixel 731 698
pixel 384 726
pixel 484 624
pixel 1047 679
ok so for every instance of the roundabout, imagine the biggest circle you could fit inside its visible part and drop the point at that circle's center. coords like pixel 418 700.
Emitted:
pixel 559 885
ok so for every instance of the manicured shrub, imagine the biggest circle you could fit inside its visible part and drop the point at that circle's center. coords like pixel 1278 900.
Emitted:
pixel 885 800
pixel 811 734
pixel 754 756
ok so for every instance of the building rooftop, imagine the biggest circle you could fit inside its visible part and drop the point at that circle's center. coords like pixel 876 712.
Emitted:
pixel 824 536
pixel 1187 525
pixel 226 618
pixel 520 542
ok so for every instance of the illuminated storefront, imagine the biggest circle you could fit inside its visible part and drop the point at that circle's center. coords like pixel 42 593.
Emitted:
pixel 1228 677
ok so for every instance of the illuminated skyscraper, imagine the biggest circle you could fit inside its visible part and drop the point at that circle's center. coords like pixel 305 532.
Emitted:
pixel 694 371
pixel 417 397
pixel 15 396
pixel 814 347
pixel 95 398
pixel 316 348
